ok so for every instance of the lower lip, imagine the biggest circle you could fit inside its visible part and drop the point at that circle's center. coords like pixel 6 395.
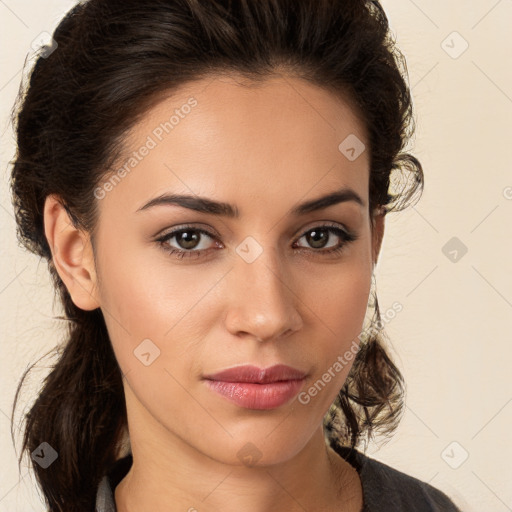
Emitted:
pixel 257 396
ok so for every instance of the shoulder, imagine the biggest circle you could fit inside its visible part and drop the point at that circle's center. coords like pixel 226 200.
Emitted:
pixel 388 487
pixel 105 501
pixel 104 497
pixel 385 488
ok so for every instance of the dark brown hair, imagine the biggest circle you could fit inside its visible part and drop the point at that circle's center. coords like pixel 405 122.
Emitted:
pixel 113 60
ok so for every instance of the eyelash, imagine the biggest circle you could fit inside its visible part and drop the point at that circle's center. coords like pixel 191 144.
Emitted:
pixel 346 237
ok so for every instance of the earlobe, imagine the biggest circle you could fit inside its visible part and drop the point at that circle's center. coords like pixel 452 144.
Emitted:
pixel 72 254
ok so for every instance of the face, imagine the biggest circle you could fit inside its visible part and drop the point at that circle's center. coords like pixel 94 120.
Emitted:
pixel 191 289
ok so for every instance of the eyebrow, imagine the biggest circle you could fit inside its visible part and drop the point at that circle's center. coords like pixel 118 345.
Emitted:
pixel 211 207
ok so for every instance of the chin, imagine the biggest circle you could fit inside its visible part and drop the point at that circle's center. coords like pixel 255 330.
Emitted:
pixel 261 450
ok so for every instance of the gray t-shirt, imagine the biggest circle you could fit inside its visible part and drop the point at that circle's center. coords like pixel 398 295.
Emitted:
pixel 384 489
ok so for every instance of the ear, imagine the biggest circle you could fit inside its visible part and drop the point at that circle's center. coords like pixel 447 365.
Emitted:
pixel 71 254
pixel 377 232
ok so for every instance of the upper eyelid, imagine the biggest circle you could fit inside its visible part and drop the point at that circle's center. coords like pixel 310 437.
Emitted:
pixel 320 224
pixel 173 231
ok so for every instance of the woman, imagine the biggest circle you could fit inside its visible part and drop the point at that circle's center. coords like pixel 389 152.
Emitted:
pixel 208 181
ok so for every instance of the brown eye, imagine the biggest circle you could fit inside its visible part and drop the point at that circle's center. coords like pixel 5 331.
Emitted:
pixel 188 241
pixel 318 237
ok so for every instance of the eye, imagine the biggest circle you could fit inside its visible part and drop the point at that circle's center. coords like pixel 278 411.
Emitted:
pixel 193 242
pixel 318 237
pixel 189 241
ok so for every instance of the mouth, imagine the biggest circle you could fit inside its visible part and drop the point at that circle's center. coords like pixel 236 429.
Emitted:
pixel 251 387
pixel 255 375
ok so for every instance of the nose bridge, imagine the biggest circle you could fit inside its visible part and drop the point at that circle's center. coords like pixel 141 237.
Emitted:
pixel 264 303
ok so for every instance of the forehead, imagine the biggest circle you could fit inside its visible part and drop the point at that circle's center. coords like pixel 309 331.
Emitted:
pixel 219 136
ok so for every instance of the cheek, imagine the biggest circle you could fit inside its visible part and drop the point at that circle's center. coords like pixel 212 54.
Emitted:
pixel 342 310
pixel 339 308
pixel 142 301
pixel 340 298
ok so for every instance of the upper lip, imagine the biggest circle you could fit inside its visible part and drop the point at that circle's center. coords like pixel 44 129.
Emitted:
pixel 249 373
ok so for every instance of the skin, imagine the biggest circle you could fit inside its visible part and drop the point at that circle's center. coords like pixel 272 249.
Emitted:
pixel 264 149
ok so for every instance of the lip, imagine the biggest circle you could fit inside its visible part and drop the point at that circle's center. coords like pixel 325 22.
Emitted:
pixel 253 374
pixel 257 388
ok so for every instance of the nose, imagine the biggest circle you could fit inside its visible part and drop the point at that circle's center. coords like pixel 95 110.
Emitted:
pixel 262 303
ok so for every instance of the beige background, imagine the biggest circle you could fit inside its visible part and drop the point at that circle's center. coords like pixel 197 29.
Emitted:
pixel 453 337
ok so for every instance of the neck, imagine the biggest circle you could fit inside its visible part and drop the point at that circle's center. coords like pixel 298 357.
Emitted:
pixel 181 479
